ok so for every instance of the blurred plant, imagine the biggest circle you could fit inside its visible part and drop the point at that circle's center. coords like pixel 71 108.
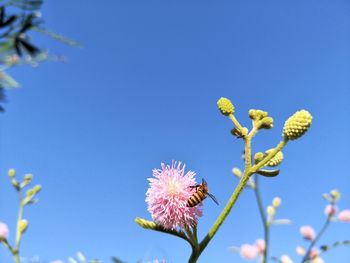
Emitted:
pixel 311 254
pixel 18 18
pixel 170 190
pixel 22 224
pixel 80 258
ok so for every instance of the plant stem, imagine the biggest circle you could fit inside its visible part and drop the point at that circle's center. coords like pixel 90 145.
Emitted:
pixel 15 251
pixel 323 229
pixel 263 218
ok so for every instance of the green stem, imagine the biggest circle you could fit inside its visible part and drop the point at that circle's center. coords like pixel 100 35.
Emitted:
pixel 15 251
pixel 263 218
pixel 313 243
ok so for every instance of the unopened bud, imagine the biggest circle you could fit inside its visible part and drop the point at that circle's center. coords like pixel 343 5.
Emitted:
pixel 271 211
pixel 12 173
pixel 276 160
pixel 335 195
pixel 22 225
pixel 237 172
pixel 258 157
pixel 145 223
pixel 225 106
pixel 266 123
pixel 37 188
pixel 276 202
pixel 257 114
pixel 297 125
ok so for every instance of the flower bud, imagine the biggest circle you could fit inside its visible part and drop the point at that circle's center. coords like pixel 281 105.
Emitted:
pixel 37 188
pixel 237 172
pixel 297 125
pixel 22 225
pixel 335 195
pixel 307 232
pixel 4 231
pixel 300 251
pixel 12 173
pixel 225 106
pixel 271 211
pixel 276 202
pixel 145 223
pixel 344 216
pixel 257 114
pixel 258 157
pixel 276 160
pixel 266 123
pixel 285 259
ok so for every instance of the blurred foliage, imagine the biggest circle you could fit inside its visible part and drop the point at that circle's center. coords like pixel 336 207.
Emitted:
pixel 18 18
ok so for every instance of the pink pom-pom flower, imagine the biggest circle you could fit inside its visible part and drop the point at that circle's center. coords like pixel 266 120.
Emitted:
pixel 4 231
pixel 168 194
pixel 248 251
pixel 308 232
pixel 344 216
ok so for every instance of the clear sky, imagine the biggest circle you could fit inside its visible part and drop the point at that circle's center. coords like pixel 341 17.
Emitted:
pixel 143 90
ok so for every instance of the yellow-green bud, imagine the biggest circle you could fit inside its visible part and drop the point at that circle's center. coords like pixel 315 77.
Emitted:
pixel 266 123
pixel 271 211
pixel 28 177
pixel 225 106
pixel 297 125
pixel 237 172
pixel 145 223
pixel 30 193
pixel 257 114
pixel 276 160
pixel 258 157
pixel 335 194
pixel 22 225
pixel 12 172
pixel 276 202
pixel 37 188
pixel 300 251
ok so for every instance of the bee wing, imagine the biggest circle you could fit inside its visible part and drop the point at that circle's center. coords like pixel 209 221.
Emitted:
pixel 214 198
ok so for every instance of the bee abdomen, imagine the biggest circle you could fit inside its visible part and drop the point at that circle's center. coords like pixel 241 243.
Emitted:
pixel 195 199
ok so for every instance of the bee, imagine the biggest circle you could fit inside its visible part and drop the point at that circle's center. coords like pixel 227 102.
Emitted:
pixel 201 192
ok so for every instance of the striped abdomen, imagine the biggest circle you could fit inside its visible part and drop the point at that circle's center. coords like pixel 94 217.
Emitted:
pixel 196 198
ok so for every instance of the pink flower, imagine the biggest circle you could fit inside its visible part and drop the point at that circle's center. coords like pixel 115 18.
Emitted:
pixel 4 231
pixel 308 232
pixel 314 253
pixel 344 216
pixel 248 251
pixel 168 194
pixel 330 210
pixel 260 245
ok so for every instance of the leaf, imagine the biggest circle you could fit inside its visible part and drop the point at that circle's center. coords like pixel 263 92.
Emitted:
pixel 56 36
pixel 6 81
pixel 268 173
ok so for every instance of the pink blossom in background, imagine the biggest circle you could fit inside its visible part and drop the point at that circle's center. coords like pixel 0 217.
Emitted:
pixel 260 245
pixel 344 216
pixel 314 253
pixel 168 194
pixel 330 210
pixel 307 232
pixel 4 231
pixel 249 252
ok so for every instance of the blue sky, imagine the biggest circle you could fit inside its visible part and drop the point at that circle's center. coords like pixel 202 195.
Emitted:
pixel 143 90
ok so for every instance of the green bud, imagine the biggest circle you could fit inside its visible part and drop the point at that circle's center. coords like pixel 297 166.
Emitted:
pixel 22 225
pixel 335 195
pixel 225 106
pixel 258 157
pixel 297 125
pixel 237 172
pixel 37 188
pixel 276 160
pixel 266 123
pixel 12 173
pixel 257 115
pixel 145 223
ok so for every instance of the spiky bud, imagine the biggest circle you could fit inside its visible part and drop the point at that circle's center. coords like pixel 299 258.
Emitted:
pixel 225 106
pixel 257 114
pixel 297 125
pixel 22 225
pixel 276 160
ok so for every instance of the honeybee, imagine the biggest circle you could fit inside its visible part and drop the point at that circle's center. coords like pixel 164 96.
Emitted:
pixel 200 194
